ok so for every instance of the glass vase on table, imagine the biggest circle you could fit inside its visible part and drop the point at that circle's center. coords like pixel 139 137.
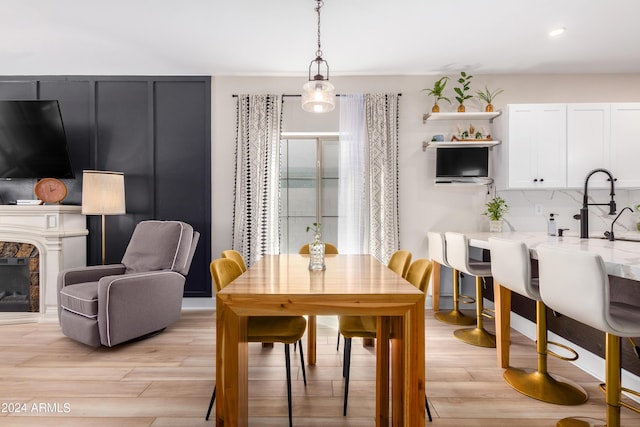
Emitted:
pixel 316 253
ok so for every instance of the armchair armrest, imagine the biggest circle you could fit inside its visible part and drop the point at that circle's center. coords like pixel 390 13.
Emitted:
pixel 72 276
pixel 132 305
pixel 94 273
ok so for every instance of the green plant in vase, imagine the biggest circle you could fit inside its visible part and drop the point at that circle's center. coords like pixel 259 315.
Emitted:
pixel 436 92
pixel 496 208
pixel 488 97
pixel 465 81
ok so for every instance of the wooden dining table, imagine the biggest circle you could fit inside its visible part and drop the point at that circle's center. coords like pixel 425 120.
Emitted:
pixel 282 285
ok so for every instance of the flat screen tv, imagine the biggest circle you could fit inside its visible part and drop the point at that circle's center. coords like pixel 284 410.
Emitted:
pixel 463 162
pixel 33 142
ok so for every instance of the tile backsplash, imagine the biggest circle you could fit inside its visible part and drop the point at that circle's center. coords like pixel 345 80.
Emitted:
pixel 525 205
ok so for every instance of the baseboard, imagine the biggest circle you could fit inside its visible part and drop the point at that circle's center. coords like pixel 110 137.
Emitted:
pixel 198 303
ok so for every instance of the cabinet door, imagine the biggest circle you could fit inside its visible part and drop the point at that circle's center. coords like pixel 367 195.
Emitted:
pixel 521 140
pixel 588 138
pixel 552 146
pixel 537 145
pixel 625 144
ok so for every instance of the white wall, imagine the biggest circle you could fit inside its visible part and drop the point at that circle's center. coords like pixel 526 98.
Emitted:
pixel 423 206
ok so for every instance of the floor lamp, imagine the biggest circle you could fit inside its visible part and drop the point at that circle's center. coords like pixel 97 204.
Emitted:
pixel 103 194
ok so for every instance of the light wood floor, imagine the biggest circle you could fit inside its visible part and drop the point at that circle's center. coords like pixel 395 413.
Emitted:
pixel 167 381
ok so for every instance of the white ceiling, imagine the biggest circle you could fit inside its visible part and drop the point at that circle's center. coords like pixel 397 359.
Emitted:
pixel 278 37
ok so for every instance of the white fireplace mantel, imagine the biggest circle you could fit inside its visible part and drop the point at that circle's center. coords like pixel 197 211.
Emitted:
pixel 59 232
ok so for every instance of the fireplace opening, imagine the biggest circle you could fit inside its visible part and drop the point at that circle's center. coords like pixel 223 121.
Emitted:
pixel 14 284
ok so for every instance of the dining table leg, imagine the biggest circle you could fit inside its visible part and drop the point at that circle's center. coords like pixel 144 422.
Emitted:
pixel 397 370
pixel 502 303
pixel 232 407
pixel 408 368
pixel 311 339
pixel 414 361
pixel 383 335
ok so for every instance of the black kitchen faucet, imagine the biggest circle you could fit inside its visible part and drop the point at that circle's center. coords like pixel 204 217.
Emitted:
pixel 583 216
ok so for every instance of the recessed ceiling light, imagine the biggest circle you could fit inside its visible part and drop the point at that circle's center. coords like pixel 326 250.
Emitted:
pixel 556 32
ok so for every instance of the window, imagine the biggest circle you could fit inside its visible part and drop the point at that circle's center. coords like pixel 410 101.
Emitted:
pixel 309 165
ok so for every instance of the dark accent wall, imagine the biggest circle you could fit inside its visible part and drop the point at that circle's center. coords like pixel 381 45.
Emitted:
pixel 157 130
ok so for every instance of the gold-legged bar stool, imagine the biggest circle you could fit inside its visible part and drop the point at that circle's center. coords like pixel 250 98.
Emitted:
pixel 575 283
pixel 511 268
pixel 458 257
pixel 438 255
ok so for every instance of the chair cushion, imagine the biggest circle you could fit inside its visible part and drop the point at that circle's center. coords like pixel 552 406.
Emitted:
pixel 358 326
pixel 81 298
pixel 284 329
pixel 158 245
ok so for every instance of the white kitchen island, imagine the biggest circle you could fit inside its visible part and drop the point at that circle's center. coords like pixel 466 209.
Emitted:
pixel 622 261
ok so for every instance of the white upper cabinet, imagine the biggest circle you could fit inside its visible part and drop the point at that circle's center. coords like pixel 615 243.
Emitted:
pixel 606 136
pixel 588 144
pixel 536 145
pixel 625 144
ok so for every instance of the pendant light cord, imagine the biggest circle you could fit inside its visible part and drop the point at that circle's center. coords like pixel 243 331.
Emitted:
pixel 320 3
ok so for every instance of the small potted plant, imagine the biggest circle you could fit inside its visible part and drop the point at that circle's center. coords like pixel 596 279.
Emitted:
pixel 488 97
pixel 436 92
pixel 461 91
pixel 496 208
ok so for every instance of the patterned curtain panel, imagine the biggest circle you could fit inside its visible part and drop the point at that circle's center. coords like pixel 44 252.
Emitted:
pixel 257 173
pixel 381 112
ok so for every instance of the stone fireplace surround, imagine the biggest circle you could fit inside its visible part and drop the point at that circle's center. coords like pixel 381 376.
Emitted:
pixel 59 233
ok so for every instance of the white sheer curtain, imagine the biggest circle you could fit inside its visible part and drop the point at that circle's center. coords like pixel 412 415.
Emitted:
pixel 257 176
pixel 352 199
pixel 368 193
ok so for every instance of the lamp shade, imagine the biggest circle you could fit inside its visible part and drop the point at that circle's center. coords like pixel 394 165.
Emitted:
pixel 318 96
pixel 103 193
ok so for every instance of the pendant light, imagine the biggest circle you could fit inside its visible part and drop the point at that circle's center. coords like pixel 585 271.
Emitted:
pixel 318 94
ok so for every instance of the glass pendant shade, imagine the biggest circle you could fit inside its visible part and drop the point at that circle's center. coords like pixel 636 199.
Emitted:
pixel 318 96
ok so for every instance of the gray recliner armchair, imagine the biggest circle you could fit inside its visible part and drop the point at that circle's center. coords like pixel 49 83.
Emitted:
pixel 112 304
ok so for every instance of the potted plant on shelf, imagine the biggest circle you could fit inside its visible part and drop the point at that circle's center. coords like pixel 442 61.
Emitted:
pixel 436 92
pixel 464 80
pixel 496 208
pixel 488 97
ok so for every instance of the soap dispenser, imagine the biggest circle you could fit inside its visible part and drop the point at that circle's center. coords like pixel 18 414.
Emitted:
pixel 551 226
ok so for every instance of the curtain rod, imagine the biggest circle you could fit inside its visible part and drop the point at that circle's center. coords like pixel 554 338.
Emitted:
pixel 295 95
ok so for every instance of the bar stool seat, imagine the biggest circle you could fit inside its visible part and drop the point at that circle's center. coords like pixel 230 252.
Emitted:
pixel 575 283
pixel 511 268
pixel 438 255
pixel 458 257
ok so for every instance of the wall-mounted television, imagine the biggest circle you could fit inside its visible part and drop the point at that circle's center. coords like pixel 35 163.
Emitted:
pixel 462 164
pixel 33 142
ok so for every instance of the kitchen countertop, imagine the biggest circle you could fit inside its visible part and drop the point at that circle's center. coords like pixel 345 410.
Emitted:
pixel 621 257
